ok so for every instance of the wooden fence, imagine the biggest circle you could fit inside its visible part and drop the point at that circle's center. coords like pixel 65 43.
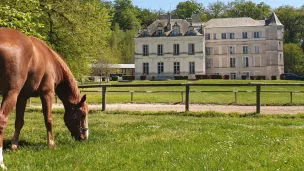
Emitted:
pixel 187 90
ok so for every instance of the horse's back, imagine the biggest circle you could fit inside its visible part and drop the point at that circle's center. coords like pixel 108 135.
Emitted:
pixel 15 55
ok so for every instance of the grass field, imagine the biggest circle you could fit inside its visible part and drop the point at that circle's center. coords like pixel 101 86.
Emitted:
pixel 163 141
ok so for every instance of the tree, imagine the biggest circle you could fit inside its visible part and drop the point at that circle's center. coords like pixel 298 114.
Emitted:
pixel 145 16
pixel 217 9
pixel 125 15
pixel 186 9
pixel 293 59
pixel 242 8
pixel 288 17
pixel 25 19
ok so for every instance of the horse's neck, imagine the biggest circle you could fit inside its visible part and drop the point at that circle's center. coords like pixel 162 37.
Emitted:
pixel 67 89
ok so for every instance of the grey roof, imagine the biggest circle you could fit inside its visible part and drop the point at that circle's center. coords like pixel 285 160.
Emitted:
pixel 273 20
pixel 183 24
pixel 233 22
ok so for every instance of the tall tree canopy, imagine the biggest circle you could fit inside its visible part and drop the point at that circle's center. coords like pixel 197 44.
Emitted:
pixel 125 15
pixel 242 8
pixel 186 9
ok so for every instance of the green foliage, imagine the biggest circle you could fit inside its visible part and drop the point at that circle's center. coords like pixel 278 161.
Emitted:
pixel 242 8
pixel 125 15
pixel 186 9
pixel 293 59
pixel 25 19
pixel 217 10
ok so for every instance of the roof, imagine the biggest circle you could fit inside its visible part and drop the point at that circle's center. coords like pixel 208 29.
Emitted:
pixel 124 66
pixel 183 24
pixel 273 20
pixel 233 22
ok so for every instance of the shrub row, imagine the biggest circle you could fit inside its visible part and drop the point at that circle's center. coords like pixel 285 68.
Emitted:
pixel 212 77
pixel 259 77
pixel 179 77
pixel 128 77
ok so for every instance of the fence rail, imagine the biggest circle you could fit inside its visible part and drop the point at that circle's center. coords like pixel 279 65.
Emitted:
pixel 187 90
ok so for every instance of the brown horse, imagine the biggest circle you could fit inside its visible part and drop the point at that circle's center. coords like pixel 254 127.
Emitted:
pixel 28 67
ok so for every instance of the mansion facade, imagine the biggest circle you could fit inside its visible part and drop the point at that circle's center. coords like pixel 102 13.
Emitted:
pixel 226 46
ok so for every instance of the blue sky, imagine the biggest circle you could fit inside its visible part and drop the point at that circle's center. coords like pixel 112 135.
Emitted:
pixel 165 4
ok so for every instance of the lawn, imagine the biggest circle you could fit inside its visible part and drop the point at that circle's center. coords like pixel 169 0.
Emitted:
pixel 121 140
pixel 243 98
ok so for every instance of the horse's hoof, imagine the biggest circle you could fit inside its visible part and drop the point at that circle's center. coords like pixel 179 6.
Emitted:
pixel 52 144
pixel 3 167
pixel 14 147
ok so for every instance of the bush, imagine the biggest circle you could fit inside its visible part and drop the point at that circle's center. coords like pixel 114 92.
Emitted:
pixel 198 77
pixel 178 77
pixel 128 77
pixel 261 77
pixel 226 77
pixel 153 77
pixel 215 76
pixel 253 77
pixel 274 77
pixel 114 78
pixel 91 79
pixel 143 77
pixel 243 77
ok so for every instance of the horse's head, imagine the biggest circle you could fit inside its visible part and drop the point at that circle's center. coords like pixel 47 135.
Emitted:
pixel 76 119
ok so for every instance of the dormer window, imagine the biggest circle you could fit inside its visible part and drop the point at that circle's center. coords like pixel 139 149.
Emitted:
pixel 191 29
pixel 176 29
pixel 145 33
pixel 159 30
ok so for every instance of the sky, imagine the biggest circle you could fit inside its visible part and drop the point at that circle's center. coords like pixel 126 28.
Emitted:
pixel 168 5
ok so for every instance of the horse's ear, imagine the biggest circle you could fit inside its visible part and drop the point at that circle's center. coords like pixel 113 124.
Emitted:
pixel 83 99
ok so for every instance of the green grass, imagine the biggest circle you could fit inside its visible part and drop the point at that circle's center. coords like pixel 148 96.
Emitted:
pixel 122 140
pixel 246 98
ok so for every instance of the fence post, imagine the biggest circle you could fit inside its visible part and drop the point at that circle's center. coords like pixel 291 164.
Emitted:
pixel 182 94
pixel 29 102
pixel 258 99
pixel 187 97
pixel 290 97
pixel 132 96
pixel 104 90
pixel 235 97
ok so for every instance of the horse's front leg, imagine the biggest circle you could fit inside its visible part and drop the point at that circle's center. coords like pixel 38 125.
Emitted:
pixel 19 122
pixel 8 104
pixel 47 101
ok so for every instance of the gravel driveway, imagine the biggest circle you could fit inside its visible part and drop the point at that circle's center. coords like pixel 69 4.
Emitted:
pixel 197 107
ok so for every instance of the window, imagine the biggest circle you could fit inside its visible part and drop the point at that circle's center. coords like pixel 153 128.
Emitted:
pixel 257 49
pixel 209 63
pixel 231 35
pixel 176 68
pixel 176 29
pixel 232 76
pixel 191 49
pixel 208 36
pixel 231 49
pixel 160 50
pixel 160 32
pixel 223 35
pixel 214 36
pixel 145 68
pixel 256 34
pixel 232 62
pixel 208 50
pixel 160 67
pixel 245 36
pixel 191 67
pixel 245 49
pixel 145 50
pixel 246 62
pixel 176 49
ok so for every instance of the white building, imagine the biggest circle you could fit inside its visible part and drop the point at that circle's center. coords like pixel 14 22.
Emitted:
pixel 170 47
pixel 233 46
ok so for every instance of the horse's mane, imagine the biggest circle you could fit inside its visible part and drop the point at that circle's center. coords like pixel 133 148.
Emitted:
pixel 68 78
